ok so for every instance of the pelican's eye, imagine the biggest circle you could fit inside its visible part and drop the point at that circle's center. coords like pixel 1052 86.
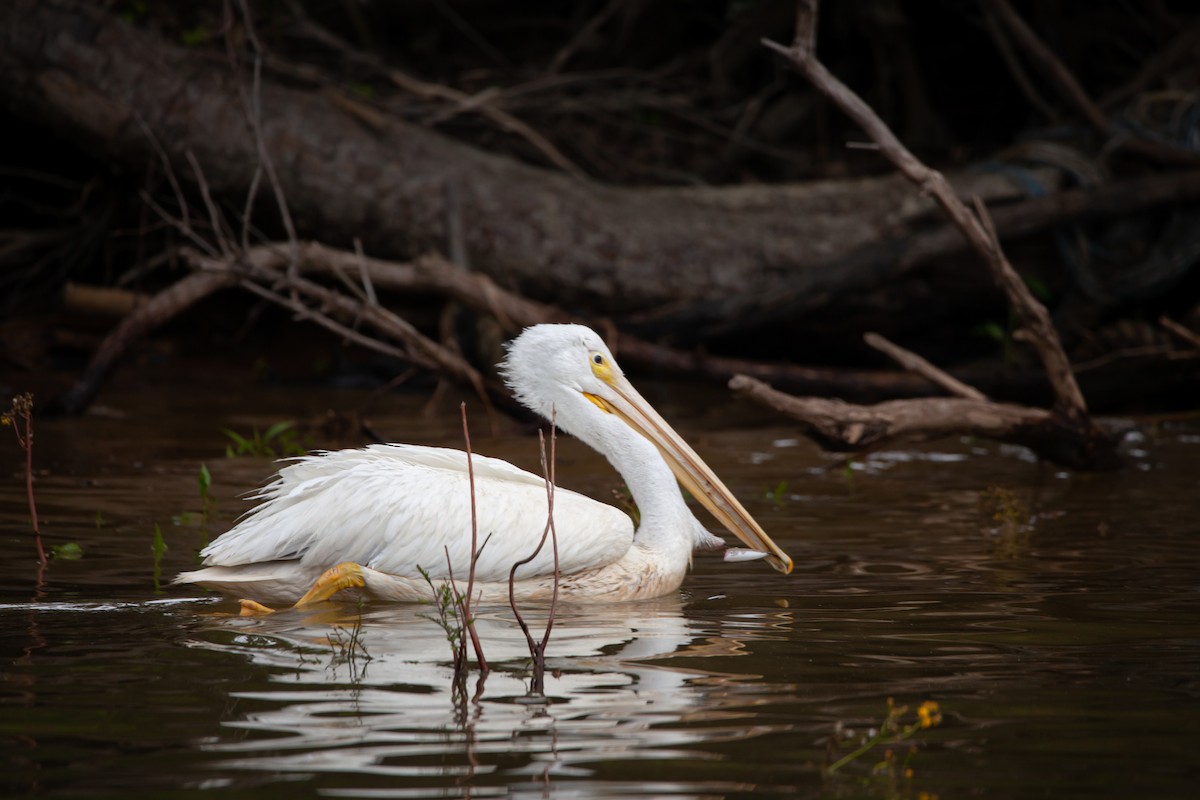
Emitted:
pixel 601 367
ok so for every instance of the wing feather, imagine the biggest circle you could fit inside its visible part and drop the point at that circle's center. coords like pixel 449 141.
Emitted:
pixel 396 507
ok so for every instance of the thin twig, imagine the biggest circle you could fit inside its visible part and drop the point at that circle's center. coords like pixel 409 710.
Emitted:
pixel 465 602
pixel 22 412
pixel 548 471
pixel 253 106
pixel 581 36
pixel 460 650
pixel 537 650
pixel 1180 331
pixel 215 218
pixel 305 312
pixel 915 363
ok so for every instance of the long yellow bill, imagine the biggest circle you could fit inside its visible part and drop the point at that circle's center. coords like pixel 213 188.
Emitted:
pixel 690 469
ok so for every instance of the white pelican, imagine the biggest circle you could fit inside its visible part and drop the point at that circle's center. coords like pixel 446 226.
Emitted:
pixel 370 517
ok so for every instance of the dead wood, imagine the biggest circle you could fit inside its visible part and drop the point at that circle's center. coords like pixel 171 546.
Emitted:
pixel 104 301
pixel 1073 439
pixel 264 270
pixel 1180 331
pixel 839 426
pixel 708 257
pixel 914 363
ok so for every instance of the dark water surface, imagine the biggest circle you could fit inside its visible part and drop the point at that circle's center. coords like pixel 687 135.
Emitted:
pixel 1062 645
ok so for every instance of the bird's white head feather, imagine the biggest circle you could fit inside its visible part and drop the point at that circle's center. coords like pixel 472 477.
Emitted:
pixel 551 367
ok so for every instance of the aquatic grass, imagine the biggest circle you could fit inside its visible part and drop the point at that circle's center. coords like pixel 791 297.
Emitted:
pixel 892 731
pixel 67 551
pixel 158 546
pixel 279 440
pixel 188 519
pixel 445 612
pixel 204 480
pixel 349 649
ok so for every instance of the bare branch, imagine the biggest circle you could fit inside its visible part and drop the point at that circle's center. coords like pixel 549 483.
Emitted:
pixel 914 363
pixel 1065 435
pixel 1180 331
pixel 1032 313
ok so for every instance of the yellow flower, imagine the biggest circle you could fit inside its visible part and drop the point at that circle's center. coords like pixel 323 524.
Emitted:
pixel 928 714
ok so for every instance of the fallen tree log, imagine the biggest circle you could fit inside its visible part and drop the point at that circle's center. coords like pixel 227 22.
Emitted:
pixel 700 256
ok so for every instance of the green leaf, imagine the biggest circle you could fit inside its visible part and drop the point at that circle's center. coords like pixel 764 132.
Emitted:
pixel 69 551
pixel 278 428
pixel 159 545
pixel 993 331
pixel 241 441
pixel 1038 288
pixel 195 36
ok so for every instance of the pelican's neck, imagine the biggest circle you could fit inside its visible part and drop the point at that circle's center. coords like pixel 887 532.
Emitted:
pixel 666 523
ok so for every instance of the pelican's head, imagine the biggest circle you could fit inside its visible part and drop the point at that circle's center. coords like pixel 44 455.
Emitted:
pixel 553 369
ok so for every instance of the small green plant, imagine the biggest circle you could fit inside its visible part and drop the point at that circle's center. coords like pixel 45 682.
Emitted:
pixel 158 546
pixel 349 649
pixel 205 482
pixel 848 475
pixel 778 495
pixel 188 519
pixel 1038 288
pixel 195 36
pixel 892 731
pixel 445 605
pixel 68 551
pixel 277 441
